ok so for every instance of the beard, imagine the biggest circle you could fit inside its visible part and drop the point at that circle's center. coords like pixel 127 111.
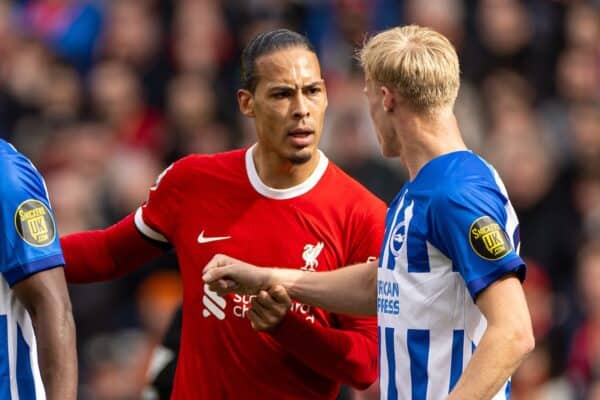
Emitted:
pixel 300 158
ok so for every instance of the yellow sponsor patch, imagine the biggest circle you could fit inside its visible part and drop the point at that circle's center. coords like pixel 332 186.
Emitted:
pixel 34 223
pixel 488 239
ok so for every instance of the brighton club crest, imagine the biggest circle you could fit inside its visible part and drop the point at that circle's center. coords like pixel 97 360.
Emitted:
pixel 310 254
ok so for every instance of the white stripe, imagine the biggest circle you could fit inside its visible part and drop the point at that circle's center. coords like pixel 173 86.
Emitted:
pixel 214 297
pixel 384 379
pixel 386 249
pixel 511 216
pixel 403 380
pixel 30 339
pixel 288 193
pixel 213 308
pixel 145 229
pixel 161 356
pixel 438 365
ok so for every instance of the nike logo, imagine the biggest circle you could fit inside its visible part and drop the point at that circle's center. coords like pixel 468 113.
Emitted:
pixel 207 239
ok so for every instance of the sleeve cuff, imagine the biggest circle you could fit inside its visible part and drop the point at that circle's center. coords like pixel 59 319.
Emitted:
pixel 515 265
pixel 22 271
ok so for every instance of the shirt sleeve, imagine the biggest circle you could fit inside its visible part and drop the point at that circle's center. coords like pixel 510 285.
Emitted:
pixel 469 224
pixel 156 218
pixel 30 244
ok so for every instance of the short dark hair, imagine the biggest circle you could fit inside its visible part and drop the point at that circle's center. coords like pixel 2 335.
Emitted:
pixel 265 43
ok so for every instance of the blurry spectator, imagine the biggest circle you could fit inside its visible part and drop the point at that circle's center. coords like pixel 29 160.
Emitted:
pixel 351 149
pixel 117 98
pixel 135 37
pixel 128 63
pixel 192 118
pixel 129 175
pixel 70 27
pixel 582 27
pixel 584 362
pixel 117 365
pixel 525 161
pixel 533 380
pixel 201 40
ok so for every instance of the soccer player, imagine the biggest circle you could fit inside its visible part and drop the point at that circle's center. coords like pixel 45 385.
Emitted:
pixel 279 202
pixel 38 358
pixel 453 321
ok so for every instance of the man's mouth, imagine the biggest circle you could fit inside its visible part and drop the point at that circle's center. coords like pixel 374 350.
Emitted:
pixel 301 137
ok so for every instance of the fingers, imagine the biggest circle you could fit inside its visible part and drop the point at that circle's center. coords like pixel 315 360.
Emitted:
pixel 280 295
pixel 266 311
pixel 215 274
pixel 218 261
pixel 223 286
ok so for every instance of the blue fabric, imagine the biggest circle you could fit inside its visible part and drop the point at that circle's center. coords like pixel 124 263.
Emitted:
pixel 460 188
pixel 20 183
pixel 392 390
pixel 4 364
pixel 25 383
pixel 456 364
pixel 418 351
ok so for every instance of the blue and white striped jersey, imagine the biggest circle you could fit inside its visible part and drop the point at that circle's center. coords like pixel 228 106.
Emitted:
pixel 450 233
pixel 29 244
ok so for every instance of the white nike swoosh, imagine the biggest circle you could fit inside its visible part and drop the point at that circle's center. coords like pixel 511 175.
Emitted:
pixel 206 239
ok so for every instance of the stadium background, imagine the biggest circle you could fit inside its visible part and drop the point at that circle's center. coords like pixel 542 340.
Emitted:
pixel 102 95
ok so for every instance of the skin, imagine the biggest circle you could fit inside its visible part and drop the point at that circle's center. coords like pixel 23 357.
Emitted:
pixel 288 107
pixel 46 299
pixel 415 136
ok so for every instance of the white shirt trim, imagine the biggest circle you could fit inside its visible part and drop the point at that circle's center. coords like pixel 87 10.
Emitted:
pixel 288 193
pixel 145 229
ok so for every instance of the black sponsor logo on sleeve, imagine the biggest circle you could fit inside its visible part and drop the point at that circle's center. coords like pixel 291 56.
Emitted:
pixel 34 223
pixel 488 239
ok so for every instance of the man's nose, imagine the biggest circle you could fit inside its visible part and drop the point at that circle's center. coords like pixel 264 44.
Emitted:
pixel 300 107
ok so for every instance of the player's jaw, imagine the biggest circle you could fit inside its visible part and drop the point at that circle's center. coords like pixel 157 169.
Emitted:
pixel 302 143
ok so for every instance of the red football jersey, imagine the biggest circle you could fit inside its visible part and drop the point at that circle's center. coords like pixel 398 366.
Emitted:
pixel 209 204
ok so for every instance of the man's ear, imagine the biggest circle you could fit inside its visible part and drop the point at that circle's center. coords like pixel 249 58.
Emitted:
pixel 246 102
pixel 387 99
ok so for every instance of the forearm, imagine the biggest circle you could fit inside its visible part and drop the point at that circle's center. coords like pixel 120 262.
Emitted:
pixel 55 333
pixel 496 358
pixel 106 254
pixel 349 290
pixel 345 356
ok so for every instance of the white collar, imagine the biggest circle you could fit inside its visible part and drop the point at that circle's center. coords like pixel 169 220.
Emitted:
pixel 287 193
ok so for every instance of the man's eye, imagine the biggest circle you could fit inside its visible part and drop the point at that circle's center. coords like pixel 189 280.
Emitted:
pixel 314 90
pixel 280 95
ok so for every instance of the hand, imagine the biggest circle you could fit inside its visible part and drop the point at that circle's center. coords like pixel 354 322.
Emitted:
pixel 268 308
pixel 225 274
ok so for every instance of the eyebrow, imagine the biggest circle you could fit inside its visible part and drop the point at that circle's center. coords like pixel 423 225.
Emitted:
pixel 284 86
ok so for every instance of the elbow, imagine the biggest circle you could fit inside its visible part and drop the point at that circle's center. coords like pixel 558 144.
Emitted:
pixel 523 342
pixel 526 342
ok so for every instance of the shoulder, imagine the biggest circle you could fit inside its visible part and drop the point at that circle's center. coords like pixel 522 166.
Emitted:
pixel 199 166
pixel 464 179
pixel 18 172
pixel 349 191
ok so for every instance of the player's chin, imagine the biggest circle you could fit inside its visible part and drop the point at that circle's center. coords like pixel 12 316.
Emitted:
pixel 301 156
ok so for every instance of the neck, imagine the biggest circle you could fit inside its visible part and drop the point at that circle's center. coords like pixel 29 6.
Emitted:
pixel 279 173
pixel 425 138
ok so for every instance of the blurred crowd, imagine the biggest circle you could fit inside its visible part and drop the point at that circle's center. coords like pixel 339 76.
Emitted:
pixel 102 95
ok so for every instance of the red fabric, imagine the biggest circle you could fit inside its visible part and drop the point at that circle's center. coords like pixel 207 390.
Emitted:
pixel 106 254
pixel 347 353
pixel 221 356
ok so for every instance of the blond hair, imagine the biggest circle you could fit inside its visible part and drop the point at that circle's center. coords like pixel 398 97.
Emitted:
pixel 418 62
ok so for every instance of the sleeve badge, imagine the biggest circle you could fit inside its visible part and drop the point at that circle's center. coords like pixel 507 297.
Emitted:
pixel 34 223
pixel 488 240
